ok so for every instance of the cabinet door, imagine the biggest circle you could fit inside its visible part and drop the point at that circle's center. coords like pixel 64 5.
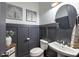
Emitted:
pixel 34 36
pixel 22 41
pixel 2 27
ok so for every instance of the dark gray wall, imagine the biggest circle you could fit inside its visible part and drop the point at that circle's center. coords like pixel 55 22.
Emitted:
pixel 2 27
pixel 48 31
pixel 55 33
pixel 22 44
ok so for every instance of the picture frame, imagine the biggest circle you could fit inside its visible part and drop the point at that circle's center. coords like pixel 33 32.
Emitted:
pixel 14 12
pixel 31 15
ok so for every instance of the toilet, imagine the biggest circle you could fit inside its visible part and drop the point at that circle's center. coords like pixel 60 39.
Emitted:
pixel 39 51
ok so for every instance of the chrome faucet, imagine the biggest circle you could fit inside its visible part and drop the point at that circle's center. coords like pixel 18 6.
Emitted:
pixel 61 42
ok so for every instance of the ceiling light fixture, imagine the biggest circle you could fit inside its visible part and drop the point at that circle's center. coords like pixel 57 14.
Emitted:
pixel 55 4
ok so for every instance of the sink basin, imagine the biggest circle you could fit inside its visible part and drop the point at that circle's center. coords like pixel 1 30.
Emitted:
pixel 63 49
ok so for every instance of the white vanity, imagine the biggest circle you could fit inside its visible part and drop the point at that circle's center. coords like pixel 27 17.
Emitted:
pixel 11 52
pixel 63 50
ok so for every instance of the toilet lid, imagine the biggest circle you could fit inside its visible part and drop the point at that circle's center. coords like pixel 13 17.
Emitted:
pixel 36 51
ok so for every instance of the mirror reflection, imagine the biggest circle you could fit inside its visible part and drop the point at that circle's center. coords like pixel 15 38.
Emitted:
pixel 66 18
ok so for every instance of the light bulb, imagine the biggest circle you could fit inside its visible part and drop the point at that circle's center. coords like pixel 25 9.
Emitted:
pixel 55 4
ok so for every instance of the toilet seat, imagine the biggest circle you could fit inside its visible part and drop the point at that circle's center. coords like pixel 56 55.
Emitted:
pixel 36 51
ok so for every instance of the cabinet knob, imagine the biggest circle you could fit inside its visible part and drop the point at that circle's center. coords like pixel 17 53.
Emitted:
pixel 28 39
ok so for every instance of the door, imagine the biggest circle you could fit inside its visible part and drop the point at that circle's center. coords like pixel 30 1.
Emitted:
pixel 22 40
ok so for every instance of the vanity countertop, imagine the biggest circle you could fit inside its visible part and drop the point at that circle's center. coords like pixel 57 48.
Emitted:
pixel 76 46
pixel 12 45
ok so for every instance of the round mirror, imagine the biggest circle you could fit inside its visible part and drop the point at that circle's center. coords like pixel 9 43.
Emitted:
pixel 66 16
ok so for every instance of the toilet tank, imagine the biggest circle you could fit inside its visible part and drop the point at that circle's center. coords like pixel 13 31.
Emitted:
pixel 43 44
